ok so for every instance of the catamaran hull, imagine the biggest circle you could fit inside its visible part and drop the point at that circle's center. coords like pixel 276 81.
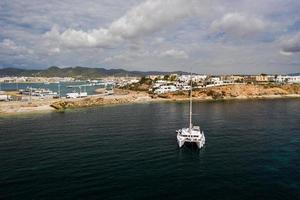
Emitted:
pixel 180 143
pixel 199 144
pixel 182 140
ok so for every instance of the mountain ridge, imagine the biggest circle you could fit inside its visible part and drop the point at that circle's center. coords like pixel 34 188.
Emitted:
pixel 294 74
pixel 78 71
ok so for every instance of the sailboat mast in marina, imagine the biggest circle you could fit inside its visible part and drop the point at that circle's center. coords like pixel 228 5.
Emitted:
pixel 192 134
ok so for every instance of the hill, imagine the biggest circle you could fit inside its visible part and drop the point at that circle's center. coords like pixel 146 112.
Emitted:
pixel 84 72
pixel 295 74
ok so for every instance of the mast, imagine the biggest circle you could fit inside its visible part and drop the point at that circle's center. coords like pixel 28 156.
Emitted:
pixel 30 97
pixel 58 89
pixel 191 106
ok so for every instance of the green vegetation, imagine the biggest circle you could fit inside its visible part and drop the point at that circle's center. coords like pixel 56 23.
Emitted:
pixel 77 72
pixel 166 77
pixel 143 85
pixel 145 80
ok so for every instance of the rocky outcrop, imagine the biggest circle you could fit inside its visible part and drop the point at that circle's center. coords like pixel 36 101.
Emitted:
pixel 89 102
pixel 216 93
pixel 237 91
pixel 86 102
pixel 232 91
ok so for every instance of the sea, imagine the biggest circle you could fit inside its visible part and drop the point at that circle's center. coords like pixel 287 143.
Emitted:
pixel 62 87
pixel 252 151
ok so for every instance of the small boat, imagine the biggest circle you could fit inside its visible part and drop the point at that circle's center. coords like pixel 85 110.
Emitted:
pixel 72 95
pixel 192 134
pixel 109 92
pixel 39 92
pixel 83 94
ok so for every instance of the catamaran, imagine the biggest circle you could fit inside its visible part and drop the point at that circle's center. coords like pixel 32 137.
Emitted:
pixel 192 134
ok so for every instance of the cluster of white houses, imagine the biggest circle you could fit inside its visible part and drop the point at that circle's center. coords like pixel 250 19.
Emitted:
pixel 25 79
pixel 174 82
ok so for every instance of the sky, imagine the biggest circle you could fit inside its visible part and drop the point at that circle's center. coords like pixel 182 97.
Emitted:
pixel 203 36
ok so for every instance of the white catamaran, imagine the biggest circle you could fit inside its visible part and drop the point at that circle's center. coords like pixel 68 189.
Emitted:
pixel 193 134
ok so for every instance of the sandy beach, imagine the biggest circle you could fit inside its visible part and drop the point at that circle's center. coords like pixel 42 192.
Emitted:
pixel 19 107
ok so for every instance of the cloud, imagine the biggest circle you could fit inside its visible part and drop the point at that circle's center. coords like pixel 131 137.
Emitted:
pixel 217 36
pixel 8 44
pixel 173 53
pixel 141 20
pixel 132 55
pixel 238 24
pixel 9 47
pixel 291 44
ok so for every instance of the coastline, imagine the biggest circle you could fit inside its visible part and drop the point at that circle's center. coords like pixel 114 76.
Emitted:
pixel 54 105
pixel 17 108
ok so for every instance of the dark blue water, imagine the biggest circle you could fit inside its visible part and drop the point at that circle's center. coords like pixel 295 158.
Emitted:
pixel 130 152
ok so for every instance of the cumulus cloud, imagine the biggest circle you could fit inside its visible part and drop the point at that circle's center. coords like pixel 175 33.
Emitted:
pixel 290 45
pixel 170 55
pixel 9 47
pixel 216 34
pixel 141 20
pixel 8 44
pixel 238 24
pixel 173 53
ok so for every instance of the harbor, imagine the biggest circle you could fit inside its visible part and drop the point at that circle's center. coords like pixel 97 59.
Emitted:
pixel 25 91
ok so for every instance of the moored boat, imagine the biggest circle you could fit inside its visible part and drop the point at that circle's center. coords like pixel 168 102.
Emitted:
pixel 192 134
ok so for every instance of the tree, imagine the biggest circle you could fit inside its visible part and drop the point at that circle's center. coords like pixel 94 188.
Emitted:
pixel 143 80
pixel 173 78
pixel 166 77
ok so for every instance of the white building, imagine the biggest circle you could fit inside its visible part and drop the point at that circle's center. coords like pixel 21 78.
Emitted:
pixel 281 79
pixel 152 77
pixel 219 83
pixel 215 79
pixel 294 79
pixel 195 78
pixel 162 82
pixel 287 79
pixel 186 88
pixel 134 81
pixel 180 84
pixel 165 89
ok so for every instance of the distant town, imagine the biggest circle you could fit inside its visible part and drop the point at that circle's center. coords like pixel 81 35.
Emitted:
pixel 153 84
pixel 174 82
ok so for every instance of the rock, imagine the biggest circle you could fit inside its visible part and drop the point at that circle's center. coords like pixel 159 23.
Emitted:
pixel 236 91
pixel 62 105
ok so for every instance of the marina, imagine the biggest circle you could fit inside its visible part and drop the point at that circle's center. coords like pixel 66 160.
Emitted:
pixel 56 90
pixel 39 92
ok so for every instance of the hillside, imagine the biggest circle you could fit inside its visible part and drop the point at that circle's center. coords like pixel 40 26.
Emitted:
pixel 83 72
pixel 295 74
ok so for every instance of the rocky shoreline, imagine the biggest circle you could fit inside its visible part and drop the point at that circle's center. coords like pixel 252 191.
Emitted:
pixel 232 92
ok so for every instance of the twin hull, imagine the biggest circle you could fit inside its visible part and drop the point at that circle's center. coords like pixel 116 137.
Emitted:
pixel 197 137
